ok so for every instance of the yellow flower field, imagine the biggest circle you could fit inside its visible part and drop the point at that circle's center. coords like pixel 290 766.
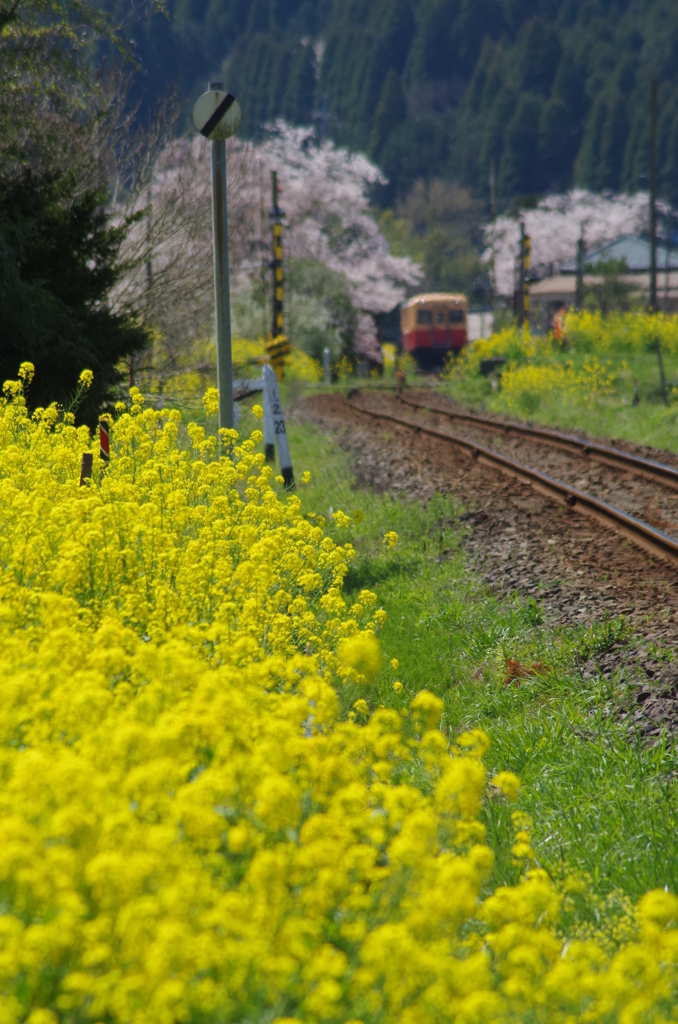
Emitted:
pixel 524 387
pixel 188 829
pixel 631 331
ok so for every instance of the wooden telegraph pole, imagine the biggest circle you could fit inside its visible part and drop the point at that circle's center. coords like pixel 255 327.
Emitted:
pixel 520 300
pixel 493 214
pixel 579 290
pixel 523 284
pixel 653 228
pixel 653 195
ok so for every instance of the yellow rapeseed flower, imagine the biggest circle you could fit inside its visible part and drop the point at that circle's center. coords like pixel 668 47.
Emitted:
pixel 361 655
pixel 27 372
pixel 189 828
pixel 507 783
pixel 210 401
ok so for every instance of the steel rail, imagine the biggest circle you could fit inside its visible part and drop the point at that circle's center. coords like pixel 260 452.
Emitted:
pixel 648 468
pixel 641 533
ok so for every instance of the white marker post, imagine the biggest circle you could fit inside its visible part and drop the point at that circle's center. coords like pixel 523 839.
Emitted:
pixel 217 116
pixel 326 362
pixel 273 394
pixel 269 429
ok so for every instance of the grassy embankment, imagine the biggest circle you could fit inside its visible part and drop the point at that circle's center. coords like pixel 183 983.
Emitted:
pixel 604 806
pixel 587 385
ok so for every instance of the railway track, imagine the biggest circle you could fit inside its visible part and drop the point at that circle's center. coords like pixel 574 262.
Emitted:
pixel 641 533
pixel 657 471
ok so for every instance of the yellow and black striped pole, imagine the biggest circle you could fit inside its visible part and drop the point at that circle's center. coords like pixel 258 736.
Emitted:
pixel 277 263
pixel 278 345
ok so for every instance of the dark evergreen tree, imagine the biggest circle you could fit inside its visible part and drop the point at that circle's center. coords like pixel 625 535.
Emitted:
pixel 58 264
pixel 396 26
pixel 432 55
pixel 520 169
pixel 297 100
pixel 390 113
pixel 587 64
pixel 417 149
pixel 670 165
pixel 276 73
pixel 555 144
pixel 259 17
pixel 612 144
pixel 538 54
pixel 500 114
pixel 589 155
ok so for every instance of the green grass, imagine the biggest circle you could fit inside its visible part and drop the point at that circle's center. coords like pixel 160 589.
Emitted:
pixel 602 803
pixel 650 422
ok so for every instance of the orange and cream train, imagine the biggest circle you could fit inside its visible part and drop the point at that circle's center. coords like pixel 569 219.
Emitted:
pixel 433 325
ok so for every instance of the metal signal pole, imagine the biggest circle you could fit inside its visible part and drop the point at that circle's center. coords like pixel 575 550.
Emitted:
pixel 217 116
pixel 222 292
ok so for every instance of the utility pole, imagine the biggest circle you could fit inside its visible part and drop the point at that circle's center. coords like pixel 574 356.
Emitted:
pixel 521 277
pixel 662 374
pixel 492 197
pixel 653 194
pixel 579 290
pixel 493 213
pixel 523 297
pixel 653 227
pixel 527 248
pixel 667 259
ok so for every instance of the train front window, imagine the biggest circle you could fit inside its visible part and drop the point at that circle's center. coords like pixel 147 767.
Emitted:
pixel 440 318
pixel 424 316
pixel 456 316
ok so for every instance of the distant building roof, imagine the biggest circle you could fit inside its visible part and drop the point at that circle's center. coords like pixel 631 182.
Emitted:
pixel 434 297
pixel 635 251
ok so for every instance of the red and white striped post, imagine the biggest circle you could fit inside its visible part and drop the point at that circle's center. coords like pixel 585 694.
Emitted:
pixel 104 450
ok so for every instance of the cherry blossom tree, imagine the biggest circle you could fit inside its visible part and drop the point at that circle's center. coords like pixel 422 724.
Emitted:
pixel 555 226
pixel 326 199
pixel 325 195
pixel 329 226
pixel 163 185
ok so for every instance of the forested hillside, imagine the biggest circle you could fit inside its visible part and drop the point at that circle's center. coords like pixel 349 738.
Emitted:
pixel 554 91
